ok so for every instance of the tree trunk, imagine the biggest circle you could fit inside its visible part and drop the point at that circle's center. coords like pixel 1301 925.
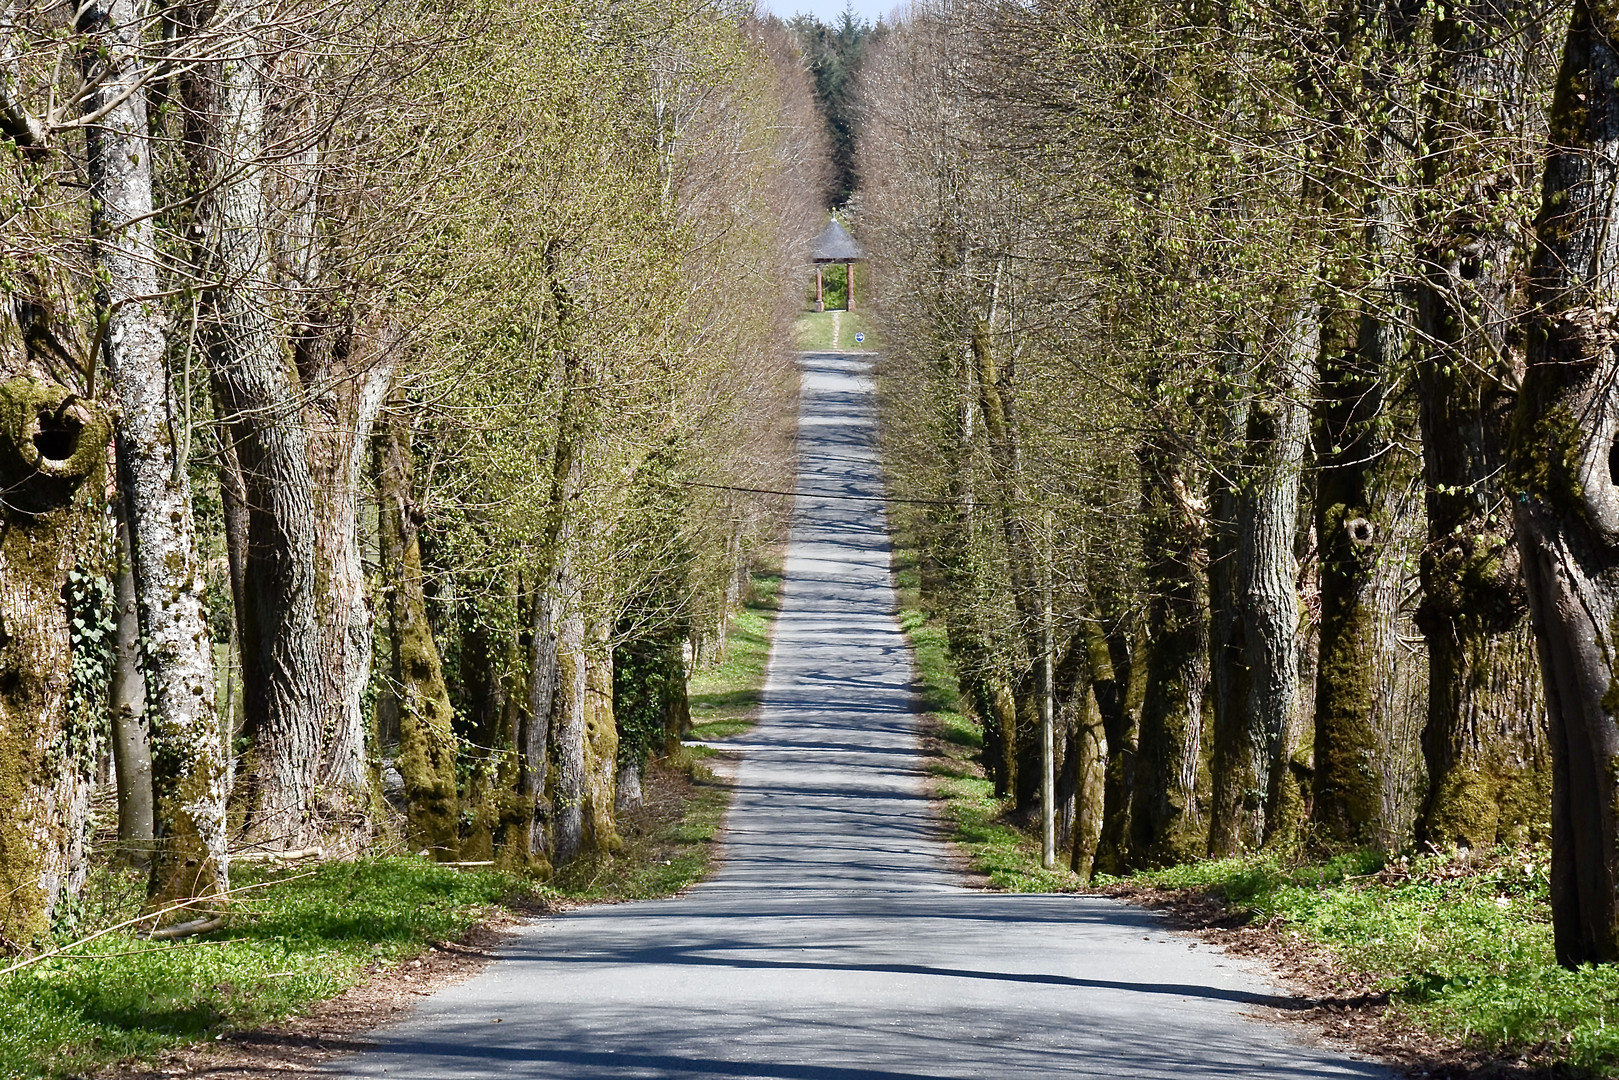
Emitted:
pixel 339 445
pixel 534 737
pixel 601 740
pixel 426 742
pixel 1081 794
pixel 1017 718
pixel 1252 751
pixel 1563 469
pixel 1113 678
pixel 1166 824
pixel 1485 739
pixel 131 735
pixel 570 717
pixel 285 689
pixel 189 779
pixel 52 468
pixel 1229 673
pixel 1360 472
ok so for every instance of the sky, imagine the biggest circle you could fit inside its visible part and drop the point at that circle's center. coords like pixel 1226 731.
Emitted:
pixel 828 11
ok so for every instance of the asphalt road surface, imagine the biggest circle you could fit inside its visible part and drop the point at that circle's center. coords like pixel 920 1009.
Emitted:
pixel 836 941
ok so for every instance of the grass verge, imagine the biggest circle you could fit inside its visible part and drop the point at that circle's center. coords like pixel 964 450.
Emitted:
pixel 724 695
pixel 1458 946
pixel 298 938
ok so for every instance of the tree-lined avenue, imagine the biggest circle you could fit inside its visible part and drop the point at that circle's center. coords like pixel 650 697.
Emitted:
pixel 836 941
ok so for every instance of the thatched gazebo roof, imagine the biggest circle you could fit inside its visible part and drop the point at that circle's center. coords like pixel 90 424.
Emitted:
pixel 835 245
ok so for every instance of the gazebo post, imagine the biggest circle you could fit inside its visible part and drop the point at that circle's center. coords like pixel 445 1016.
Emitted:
pixel 820 301
pixel 848 286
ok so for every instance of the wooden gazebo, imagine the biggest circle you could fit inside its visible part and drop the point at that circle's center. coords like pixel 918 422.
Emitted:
pixel 835 245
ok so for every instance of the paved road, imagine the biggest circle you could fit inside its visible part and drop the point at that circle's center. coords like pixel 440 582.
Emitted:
pixel 835 942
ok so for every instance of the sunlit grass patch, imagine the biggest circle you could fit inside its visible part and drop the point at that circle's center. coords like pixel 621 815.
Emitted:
pixel 1461 944
pixel 723 695
pixel 824 331
pixel 305 937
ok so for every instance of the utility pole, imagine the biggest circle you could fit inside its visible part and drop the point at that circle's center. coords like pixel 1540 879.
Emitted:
pixel 1048 785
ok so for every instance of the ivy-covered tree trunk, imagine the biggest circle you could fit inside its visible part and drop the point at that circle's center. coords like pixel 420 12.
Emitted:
pixel 1564 470
pixel 649 701
pixel 52 468
pixel 1485 740
pixel 189 781
pixel 426 743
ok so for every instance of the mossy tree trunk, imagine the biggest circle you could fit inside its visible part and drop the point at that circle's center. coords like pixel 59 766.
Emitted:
pixel 1018 721
pixel 1360 472
pixel 1081 790
pixel 1166 824
pixel 601 742
pixel 188 777
pixel 1485 739
pixel 52 471
pixel 1564 471
pixel 426 743
pixel 1116 684
pixel 1253 739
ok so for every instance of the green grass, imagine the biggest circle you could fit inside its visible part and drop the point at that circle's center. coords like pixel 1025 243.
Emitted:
pixel 814 330
pixel 299 940
pixel 1462 946
pixel 306 937
pixel 723 695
